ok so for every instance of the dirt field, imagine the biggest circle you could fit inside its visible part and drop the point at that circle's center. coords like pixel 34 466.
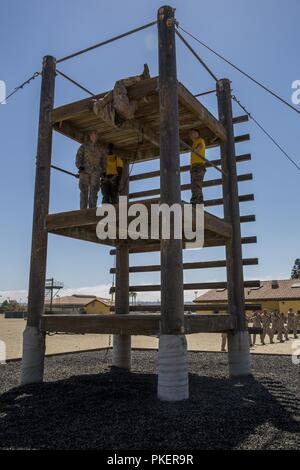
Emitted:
pixel 11 333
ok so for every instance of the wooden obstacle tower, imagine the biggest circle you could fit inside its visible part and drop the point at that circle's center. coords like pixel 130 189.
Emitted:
pixel 167 112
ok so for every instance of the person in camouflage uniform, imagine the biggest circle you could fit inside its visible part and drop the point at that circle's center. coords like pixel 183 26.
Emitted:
pixel 256 320
pixel 91 163
pixel 297 324
pixel 266 324
pixel 275 324
pixel 115 108
pixel 223 342
pixel 281 326
pixel 290 321
pixel 198 166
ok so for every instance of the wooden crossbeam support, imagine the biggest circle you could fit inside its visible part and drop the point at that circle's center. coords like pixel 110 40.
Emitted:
pixel 186 98
pixel 240 119
pixel 245 219
pixel 187 187
pixel 64 127
pixel 136 91
pixel 207 203
pixel 88 219
pixel 220 202
pixel 152 248
pixel 134 324
pixel 189 286
pixel 184 169
pixel 188 308
pixel 195 265
pixel 241 138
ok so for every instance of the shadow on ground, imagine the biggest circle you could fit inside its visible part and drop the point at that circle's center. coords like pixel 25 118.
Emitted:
pixel 120 411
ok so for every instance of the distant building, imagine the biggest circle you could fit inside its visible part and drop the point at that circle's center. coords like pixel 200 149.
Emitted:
pixel 73 304
pixel 272 295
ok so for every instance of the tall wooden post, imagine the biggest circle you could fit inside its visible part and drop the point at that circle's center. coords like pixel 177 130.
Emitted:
pixel 238 342
pixel 122 343
pixel 173 378
pixel 33 339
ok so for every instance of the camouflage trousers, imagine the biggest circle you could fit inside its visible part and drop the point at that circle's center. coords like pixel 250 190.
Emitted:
pixel 89 185
pixel 110 188
pixel 197 177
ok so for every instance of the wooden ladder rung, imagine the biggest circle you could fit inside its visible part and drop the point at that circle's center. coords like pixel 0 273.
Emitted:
pixel 156 174
pixel 196 265
pixel 191 286
pixel 156 247
pixel 153 308
pixel 187 187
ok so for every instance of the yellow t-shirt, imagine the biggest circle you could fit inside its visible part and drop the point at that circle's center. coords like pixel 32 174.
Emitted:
pixel 200 147
pixel 113 163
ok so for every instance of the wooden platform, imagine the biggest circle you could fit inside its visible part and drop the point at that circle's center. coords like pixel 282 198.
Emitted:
pixel 82 224
pixel 74 120
pixel 133 324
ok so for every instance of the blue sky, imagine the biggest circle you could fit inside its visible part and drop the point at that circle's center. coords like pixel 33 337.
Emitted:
pixel 259 36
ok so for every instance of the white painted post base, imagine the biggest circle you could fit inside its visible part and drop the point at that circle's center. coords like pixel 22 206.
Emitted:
pixel 173 382
pixel 239 354
pixel 122 351
pixel 33 356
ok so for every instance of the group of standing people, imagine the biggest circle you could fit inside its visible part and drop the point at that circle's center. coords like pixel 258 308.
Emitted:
pixel 272 324
pixel 275 323
pixel 99 167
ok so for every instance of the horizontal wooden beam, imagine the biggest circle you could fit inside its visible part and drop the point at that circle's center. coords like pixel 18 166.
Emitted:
pixel 242 138
pixel 189 286
pixel 132 324
pixel 195 265
pixel 88 219
pixel 240 119
pixel 219 202
pixel 190 102
pixel 189 308
pixel 207 203
pixel 72 110
pixel 184 169
pixel 245 219
pixel 187 187
pixel 153 248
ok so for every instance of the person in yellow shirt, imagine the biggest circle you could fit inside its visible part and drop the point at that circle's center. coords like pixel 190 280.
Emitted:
pixel 198 166
pixel 110 185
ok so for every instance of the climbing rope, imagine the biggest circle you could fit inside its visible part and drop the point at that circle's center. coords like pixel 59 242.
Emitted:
pixel 205 93
pixel 20 87
pixel 107 41
pixel 197 56
pixel 74 82
pixel 266 132
pixel 57 168
pixel 247 75
pixel 208 162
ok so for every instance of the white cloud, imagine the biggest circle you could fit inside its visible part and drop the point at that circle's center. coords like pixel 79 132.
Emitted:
pixel 101 290
pixel 19 295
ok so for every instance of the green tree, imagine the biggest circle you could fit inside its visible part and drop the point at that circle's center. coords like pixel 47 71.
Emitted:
pixel 11 306
pixel 296 270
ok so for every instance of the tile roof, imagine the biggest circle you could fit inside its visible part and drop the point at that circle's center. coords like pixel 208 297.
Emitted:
pixel 265 292
pixel 78 300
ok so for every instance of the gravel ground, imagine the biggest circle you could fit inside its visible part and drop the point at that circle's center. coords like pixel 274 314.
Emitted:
pixel 105 409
